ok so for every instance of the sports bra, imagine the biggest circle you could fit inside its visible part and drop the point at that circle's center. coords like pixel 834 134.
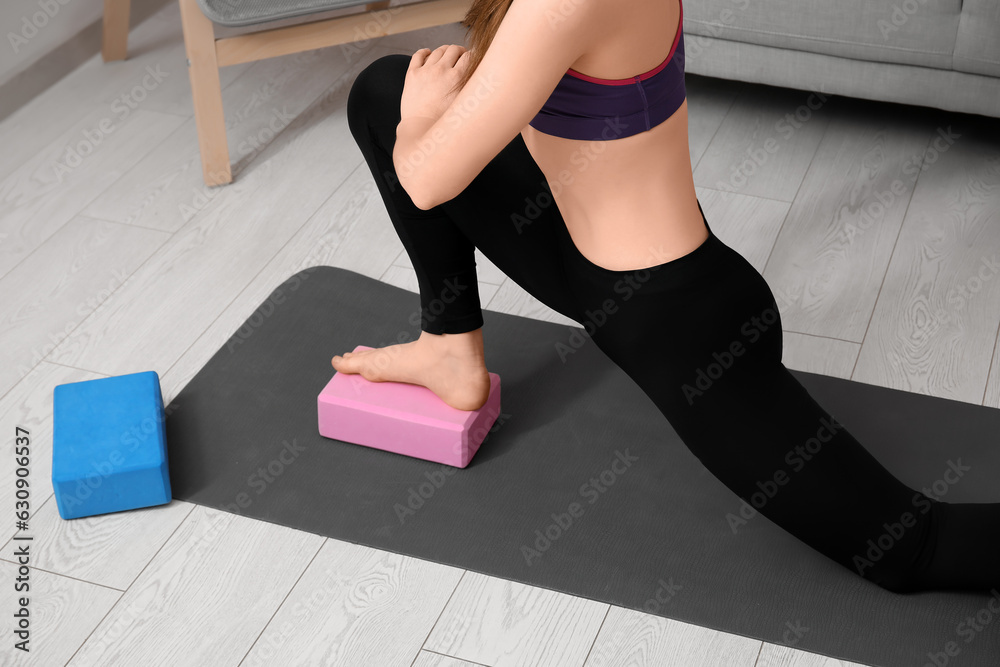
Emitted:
pixel 586 107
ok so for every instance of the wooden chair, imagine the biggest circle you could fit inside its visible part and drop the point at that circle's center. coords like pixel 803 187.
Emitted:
pixel 114 34
pixel 206 54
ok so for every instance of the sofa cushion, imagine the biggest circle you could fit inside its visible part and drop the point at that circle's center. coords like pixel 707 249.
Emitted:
pixel 252 12
pixel 914 32
pixel 978 47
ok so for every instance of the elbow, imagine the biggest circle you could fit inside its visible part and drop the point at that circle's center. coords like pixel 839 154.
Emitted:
pixel 436 193
pixel 429 187
pixel 426 198
pixel 423 203
pixel 419 194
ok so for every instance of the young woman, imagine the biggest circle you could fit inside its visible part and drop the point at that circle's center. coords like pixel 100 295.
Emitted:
pixel 558 146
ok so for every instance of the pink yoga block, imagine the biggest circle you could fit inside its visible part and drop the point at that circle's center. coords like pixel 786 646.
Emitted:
pixel 404 418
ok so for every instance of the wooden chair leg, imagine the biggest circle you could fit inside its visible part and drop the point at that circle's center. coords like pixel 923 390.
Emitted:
pixel 114 35
pixel 206 93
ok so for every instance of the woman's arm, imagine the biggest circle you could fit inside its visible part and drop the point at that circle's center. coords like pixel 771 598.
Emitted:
pixel 535 44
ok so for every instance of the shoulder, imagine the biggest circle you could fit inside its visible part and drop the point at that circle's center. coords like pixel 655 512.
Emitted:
pixel 564 15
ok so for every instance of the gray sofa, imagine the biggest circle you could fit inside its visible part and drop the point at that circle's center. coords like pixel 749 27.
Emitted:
pixel 935 53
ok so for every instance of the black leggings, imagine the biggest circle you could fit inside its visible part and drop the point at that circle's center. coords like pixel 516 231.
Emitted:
pixel 701 336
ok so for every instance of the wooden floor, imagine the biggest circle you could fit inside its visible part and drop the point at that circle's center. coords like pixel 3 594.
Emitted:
pixel 876 225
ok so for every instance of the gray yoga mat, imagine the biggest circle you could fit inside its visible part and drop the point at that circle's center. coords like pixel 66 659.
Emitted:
pixel 651 527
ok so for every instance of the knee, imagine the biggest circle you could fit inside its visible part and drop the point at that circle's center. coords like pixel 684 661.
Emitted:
pixel 910 567
pixel 375 93
pixel 896 580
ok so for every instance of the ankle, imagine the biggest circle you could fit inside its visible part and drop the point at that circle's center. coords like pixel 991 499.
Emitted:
pixel 469 343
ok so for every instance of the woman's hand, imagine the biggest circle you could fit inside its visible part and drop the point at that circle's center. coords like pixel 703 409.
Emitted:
pixel 429 80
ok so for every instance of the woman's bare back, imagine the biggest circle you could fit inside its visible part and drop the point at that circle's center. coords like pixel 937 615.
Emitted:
pixel 630 202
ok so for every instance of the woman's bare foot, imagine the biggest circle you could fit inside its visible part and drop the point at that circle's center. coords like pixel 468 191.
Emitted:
pixel 451 365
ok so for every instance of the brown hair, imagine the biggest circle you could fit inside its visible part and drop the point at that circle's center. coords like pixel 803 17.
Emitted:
pixel 482 22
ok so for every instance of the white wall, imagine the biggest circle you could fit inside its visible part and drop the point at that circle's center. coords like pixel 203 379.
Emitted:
pixel 32 28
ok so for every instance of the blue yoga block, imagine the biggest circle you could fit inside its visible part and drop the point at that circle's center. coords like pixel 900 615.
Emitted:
pixel 109 445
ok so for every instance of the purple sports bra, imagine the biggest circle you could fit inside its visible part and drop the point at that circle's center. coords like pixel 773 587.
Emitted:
pixel 586 107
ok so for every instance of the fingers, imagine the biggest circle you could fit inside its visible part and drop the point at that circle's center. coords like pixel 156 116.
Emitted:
pixel 418 59
pixel 446 53
pixel 452 53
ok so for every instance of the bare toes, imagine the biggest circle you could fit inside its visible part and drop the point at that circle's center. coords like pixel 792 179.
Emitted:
pixel 345 365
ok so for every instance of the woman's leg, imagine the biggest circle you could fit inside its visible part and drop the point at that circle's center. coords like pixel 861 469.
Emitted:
pixel 441 242
pixel 701 335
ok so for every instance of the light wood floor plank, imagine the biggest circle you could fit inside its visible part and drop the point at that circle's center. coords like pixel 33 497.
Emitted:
pixel 634 639
pixel 709 100
pixel 816 354
pixel 356 606
pixel 934 327
pixel 514 299
pixel 166 189
pixel 154 78
pixel 831 254
pixel 347 231
pixel 430 659
pixel 201 268
pixel 748 225
pixel 500 623
pixel 108 549
pixel 206 596
pixel 167 50
pixel 97 85
pixel 773 655
pixel 47 296
pixel 991 396
pixel 29 405
pixel 765 143
pixel 48 190
pixel 63 613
